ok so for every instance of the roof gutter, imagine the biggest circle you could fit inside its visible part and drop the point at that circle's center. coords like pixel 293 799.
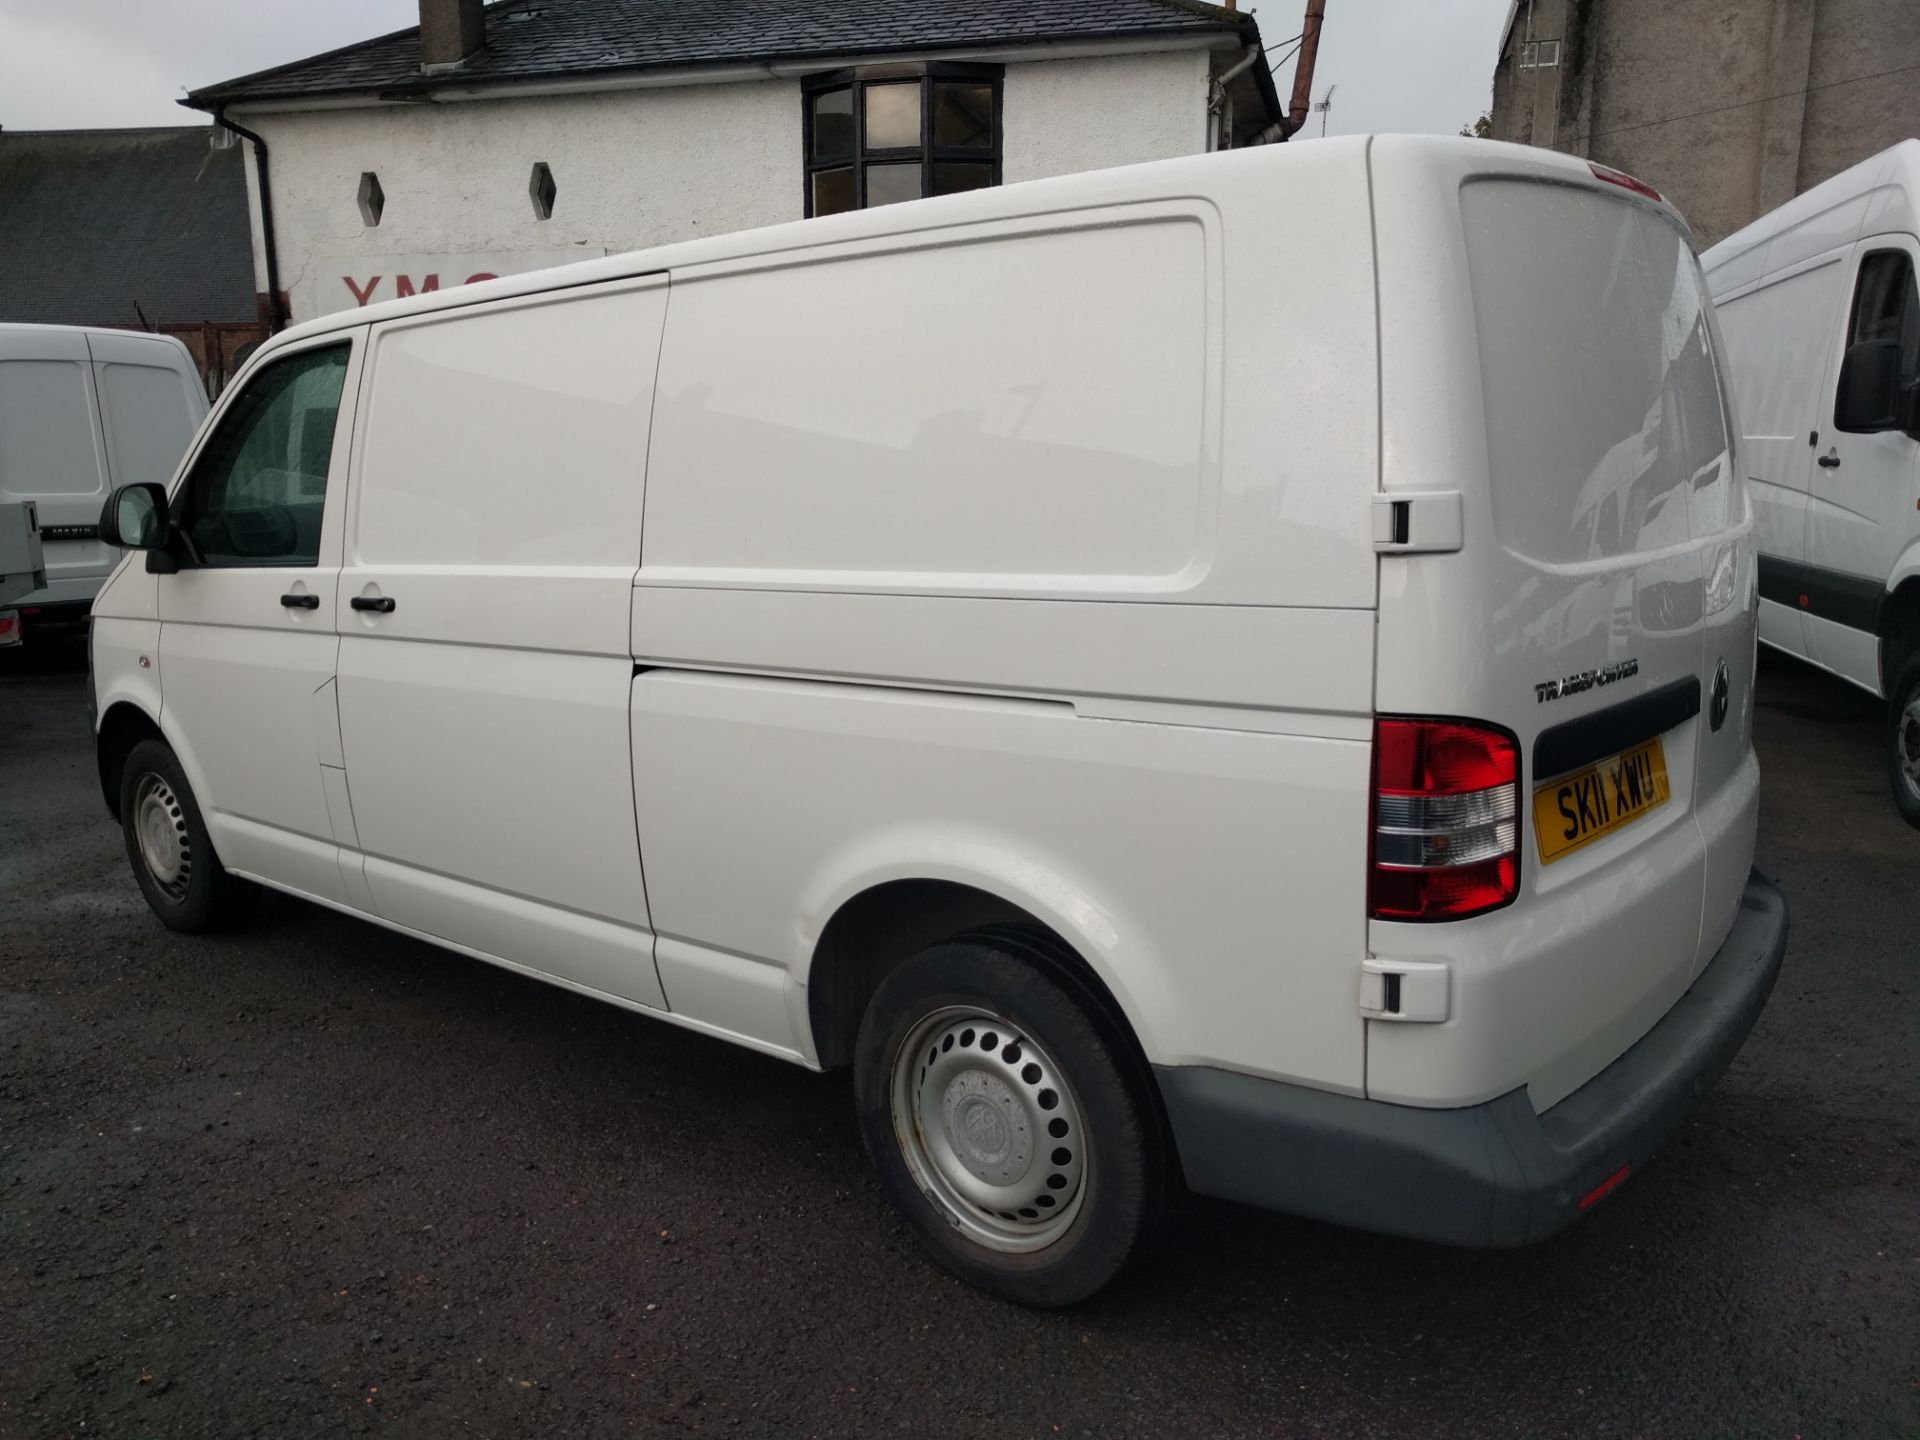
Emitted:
pixel 276 317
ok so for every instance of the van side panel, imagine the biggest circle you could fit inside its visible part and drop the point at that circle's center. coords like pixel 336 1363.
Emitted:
pixel 1208 876
pixel 1033 555
pixel 1779 335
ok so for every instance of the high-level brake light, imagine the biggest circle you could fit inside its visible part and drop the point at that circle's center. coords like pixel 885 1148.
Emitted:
pixel 1446 820
pixel 1624 181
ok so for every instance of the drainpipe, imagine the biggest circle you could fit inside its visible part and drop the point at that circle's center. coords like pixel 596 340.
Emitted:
pixel 1217 99
pixel 1303 71
pixel 276 318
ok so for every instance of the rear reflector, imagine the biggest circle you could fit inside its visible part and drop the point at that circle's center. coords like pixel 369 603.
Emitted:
pixel 1446 820
pixel 1605 1188
pixel 1624 181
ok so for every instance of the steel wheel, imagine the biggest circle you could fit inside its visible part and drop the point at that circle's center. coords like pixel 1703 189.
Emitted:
pixel 1906 743
pixel 990 1129
pixel 160 825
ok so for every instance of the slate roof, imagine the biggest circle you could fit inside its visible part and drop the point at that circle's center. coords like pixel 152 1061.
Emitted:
pixel 94 221
pixel 542 39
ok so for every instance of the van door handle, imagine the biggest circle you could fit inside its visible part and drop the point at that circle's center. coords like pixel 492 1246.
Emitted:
pixel 381 603
pixel 301 602
pixel 1830 460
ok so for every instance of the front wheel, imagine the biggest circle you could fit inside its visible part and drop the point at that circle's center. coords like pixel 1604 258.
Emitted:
pixel 167 842
pixel 1013 1129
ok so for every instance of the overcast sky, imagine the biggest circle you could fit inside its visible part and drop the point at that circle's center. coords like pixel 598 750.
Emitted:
pixel 76 64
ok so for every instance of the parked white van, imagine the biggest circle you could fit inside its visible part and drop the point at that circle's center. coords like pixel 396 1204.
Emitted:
pixel 82 411
pixel 1067 651
pixel 1822 318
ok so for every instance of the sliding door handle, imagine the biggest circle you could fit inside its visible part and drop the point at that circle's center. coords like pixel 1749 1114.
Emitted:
pixel 382 604
pixel 1830 460
pixel 300 602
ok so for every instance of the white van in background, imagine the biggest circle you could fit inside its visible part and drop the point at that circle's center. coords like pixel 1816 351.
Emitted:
pixel 1821 312
pixel 83 411
pixel 1165 687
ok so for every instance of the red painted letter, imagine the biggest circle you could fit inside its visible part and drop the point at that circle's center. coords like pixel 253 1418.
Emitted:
pixel 403 285
pixel 359 294
pixel 483 275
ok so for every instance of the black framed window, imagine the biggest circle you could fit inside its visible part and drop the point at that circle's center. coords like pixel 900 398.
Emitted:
pixel 897 132
pixel 1886 306
pixel 258 488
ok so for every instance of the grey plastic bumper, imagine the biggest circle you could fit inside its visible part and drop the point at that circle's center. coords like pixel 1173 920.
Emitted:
pixel 1494 1174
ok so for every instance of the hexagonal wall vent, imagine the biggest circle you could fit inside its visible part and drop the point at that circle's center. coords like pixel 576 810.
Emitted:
pixel 540 188
pixel 373 199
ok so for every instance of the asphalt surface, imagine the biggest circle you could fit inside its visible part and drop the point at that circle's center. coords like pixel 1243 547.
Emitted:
pixel 317 1179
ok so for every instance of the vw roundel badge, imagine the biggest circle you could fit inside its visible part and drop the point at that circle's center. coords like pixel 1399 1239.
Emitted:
pixel 1722 695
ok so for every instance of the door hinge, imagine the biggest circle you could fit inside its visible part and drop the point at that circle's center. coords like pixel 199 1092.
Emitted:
pixel 1415 990
pixel 1416 523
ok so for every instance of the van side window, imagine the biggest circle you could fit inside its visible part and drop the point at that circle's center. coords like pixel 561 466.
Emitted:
pixel 259 486
pixel 1886 306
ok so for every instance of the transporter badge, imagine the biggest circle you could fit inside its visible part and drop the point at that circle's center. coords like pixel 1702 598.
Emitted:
pixel 1547 690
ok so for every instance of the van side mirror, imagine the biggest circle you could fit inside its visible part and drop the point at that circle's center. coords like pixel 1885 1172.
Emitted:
pixel 1868 398
pixel 135 518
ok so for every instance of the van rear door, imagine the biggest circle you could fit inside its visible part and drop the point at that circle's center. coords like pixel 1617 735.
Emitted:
pixel 1551 357
pixel 51 453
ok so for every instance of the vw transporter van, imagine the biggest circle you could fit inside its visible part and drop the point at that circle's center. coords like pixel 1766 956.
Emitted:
pixel 1232 673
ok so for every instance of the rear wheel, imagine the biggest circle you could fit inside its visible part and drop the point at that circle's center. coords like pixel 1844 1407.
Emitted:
pixel 1903 741
pixel 1012 1128
pixel 167 843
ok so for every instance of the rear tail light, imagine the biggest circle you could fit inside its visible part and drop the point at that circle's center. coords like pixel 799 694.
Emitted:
pixel 1446 820
pixel 1624 181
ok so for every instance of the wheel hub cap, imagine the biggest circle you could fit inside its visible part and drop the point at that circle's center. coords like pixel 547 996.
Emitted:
pixel 160 826
pixel 1909 742
pixel 990 1128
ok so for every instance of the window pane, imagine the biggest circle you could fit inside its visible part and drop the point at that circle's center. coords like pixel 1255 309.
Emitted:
pixel 1886 306
pixel 888 183
pixel 832 191
pixel 951 177
pixel 833 125
pixel 893 116
pixel 260 484
pixel 963 115
pixel 148 420
pixel 46 430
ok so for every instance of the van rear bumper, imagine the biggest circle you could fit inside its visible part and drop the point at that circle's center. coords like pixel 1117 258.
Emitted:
pixel 1489 1175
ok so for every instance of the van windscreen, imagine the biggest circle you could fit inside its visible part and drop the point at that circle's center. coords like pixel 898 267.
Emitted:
pixel 1606 433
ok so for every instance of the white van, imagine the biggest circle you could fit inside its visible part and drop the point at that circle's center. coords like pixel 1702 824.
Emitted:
pixel 83 411
pixel 1065 651
pixel 1822 318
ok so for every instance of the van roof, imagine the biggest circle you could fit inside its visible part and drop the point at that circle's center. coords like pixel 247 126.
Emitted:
pixel 1191 176
pixel 22 327
pixel 1880 195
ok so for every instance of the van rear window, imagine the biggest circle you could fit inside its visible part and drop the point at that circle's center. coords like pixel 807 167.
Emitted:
pixel 48 445
pixel 1606 432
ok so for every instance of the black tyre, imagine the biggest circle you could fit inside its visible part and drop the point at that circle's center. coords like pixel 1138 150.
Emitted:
pixel 1014 1128
pixel 168 846
pixel 1903 741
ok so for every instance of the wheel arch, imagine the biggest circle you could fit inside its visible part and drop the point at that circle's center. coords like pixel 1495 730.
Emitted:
pixel 123 725
pixel 876 927
pixel 1900 621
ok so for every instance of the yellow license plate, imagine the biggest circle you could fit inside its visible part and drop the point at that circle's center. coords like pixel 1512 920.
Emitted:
pixel 1577 808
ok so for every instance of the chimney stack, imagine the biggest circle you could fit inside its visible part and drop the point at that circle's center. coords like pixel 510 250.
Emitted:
pixel 451 33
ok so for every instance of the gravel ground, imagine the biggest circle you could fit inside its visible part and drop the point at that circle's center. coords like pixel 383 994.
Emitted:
pixel 317 1179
